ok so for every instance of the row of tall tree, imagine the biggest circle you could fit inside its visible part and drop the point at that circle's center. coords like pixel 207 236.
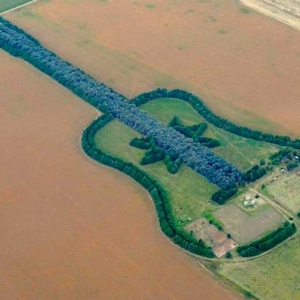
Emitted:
pixel 254 173
pixel 157 192
pixel 199 158
pixel 222 195
pixel 142 143
pixel 267 242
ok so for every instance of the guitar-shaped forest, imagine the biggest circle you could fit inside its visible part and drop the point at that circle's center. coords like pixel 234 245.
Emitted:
pixel 197 166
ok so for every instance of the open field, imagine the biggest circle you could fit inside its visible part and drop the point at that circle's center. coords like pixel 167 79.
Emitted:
pixel 165 109
pixel 271 277
pixel 9 4
pixel 70 228
pixel 286 189
pixel 244 71
pixel 287 11
pixel 242 152
pixel 245 228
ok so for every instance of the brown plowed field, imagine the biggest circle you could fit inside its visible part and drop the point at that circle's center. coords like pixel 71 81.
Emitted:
pixel 69 227
pixel 244 64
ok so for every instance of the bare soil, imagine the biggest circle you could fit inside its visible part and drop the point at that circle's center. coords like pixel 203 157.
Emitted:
pixel 244 65
pixel 209 233
pixel 71 228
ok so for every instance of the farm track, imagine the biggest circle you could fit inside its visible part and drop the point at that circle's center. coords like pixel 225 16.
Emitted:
pixel 275 203
pixel 239 72
pixel 285 11
pixel 235 148
pixel 278 206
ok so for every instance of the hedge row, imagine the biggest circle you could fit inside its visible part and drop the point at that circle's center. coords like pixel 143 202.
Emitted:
pixel 144 144
pixel 267 242
pixel 158 194
pixel 199 158
pixel 153 155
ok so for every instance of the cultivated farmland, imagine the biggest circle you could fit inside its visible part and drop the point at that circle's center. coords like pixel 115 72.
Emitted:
pixel 241 70
pixel 252 95
pixel 72 229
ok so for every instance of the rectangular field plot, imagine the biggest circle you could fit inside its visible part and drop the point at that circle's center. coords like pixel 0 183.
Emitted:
pixel 286 189
pixel 244 228
pixel 10 4
pixel 213 237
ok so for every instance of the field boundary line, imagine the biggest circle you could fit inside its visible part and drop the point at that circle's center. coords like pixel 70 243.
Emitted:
pixel 275 14
pixel 17 7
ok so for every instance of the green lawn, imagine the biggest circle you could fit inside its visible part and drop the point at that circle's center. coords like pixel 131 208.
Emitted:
pixel 240 151
pixel 165 109
pixel 272 277
pixel 9 4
